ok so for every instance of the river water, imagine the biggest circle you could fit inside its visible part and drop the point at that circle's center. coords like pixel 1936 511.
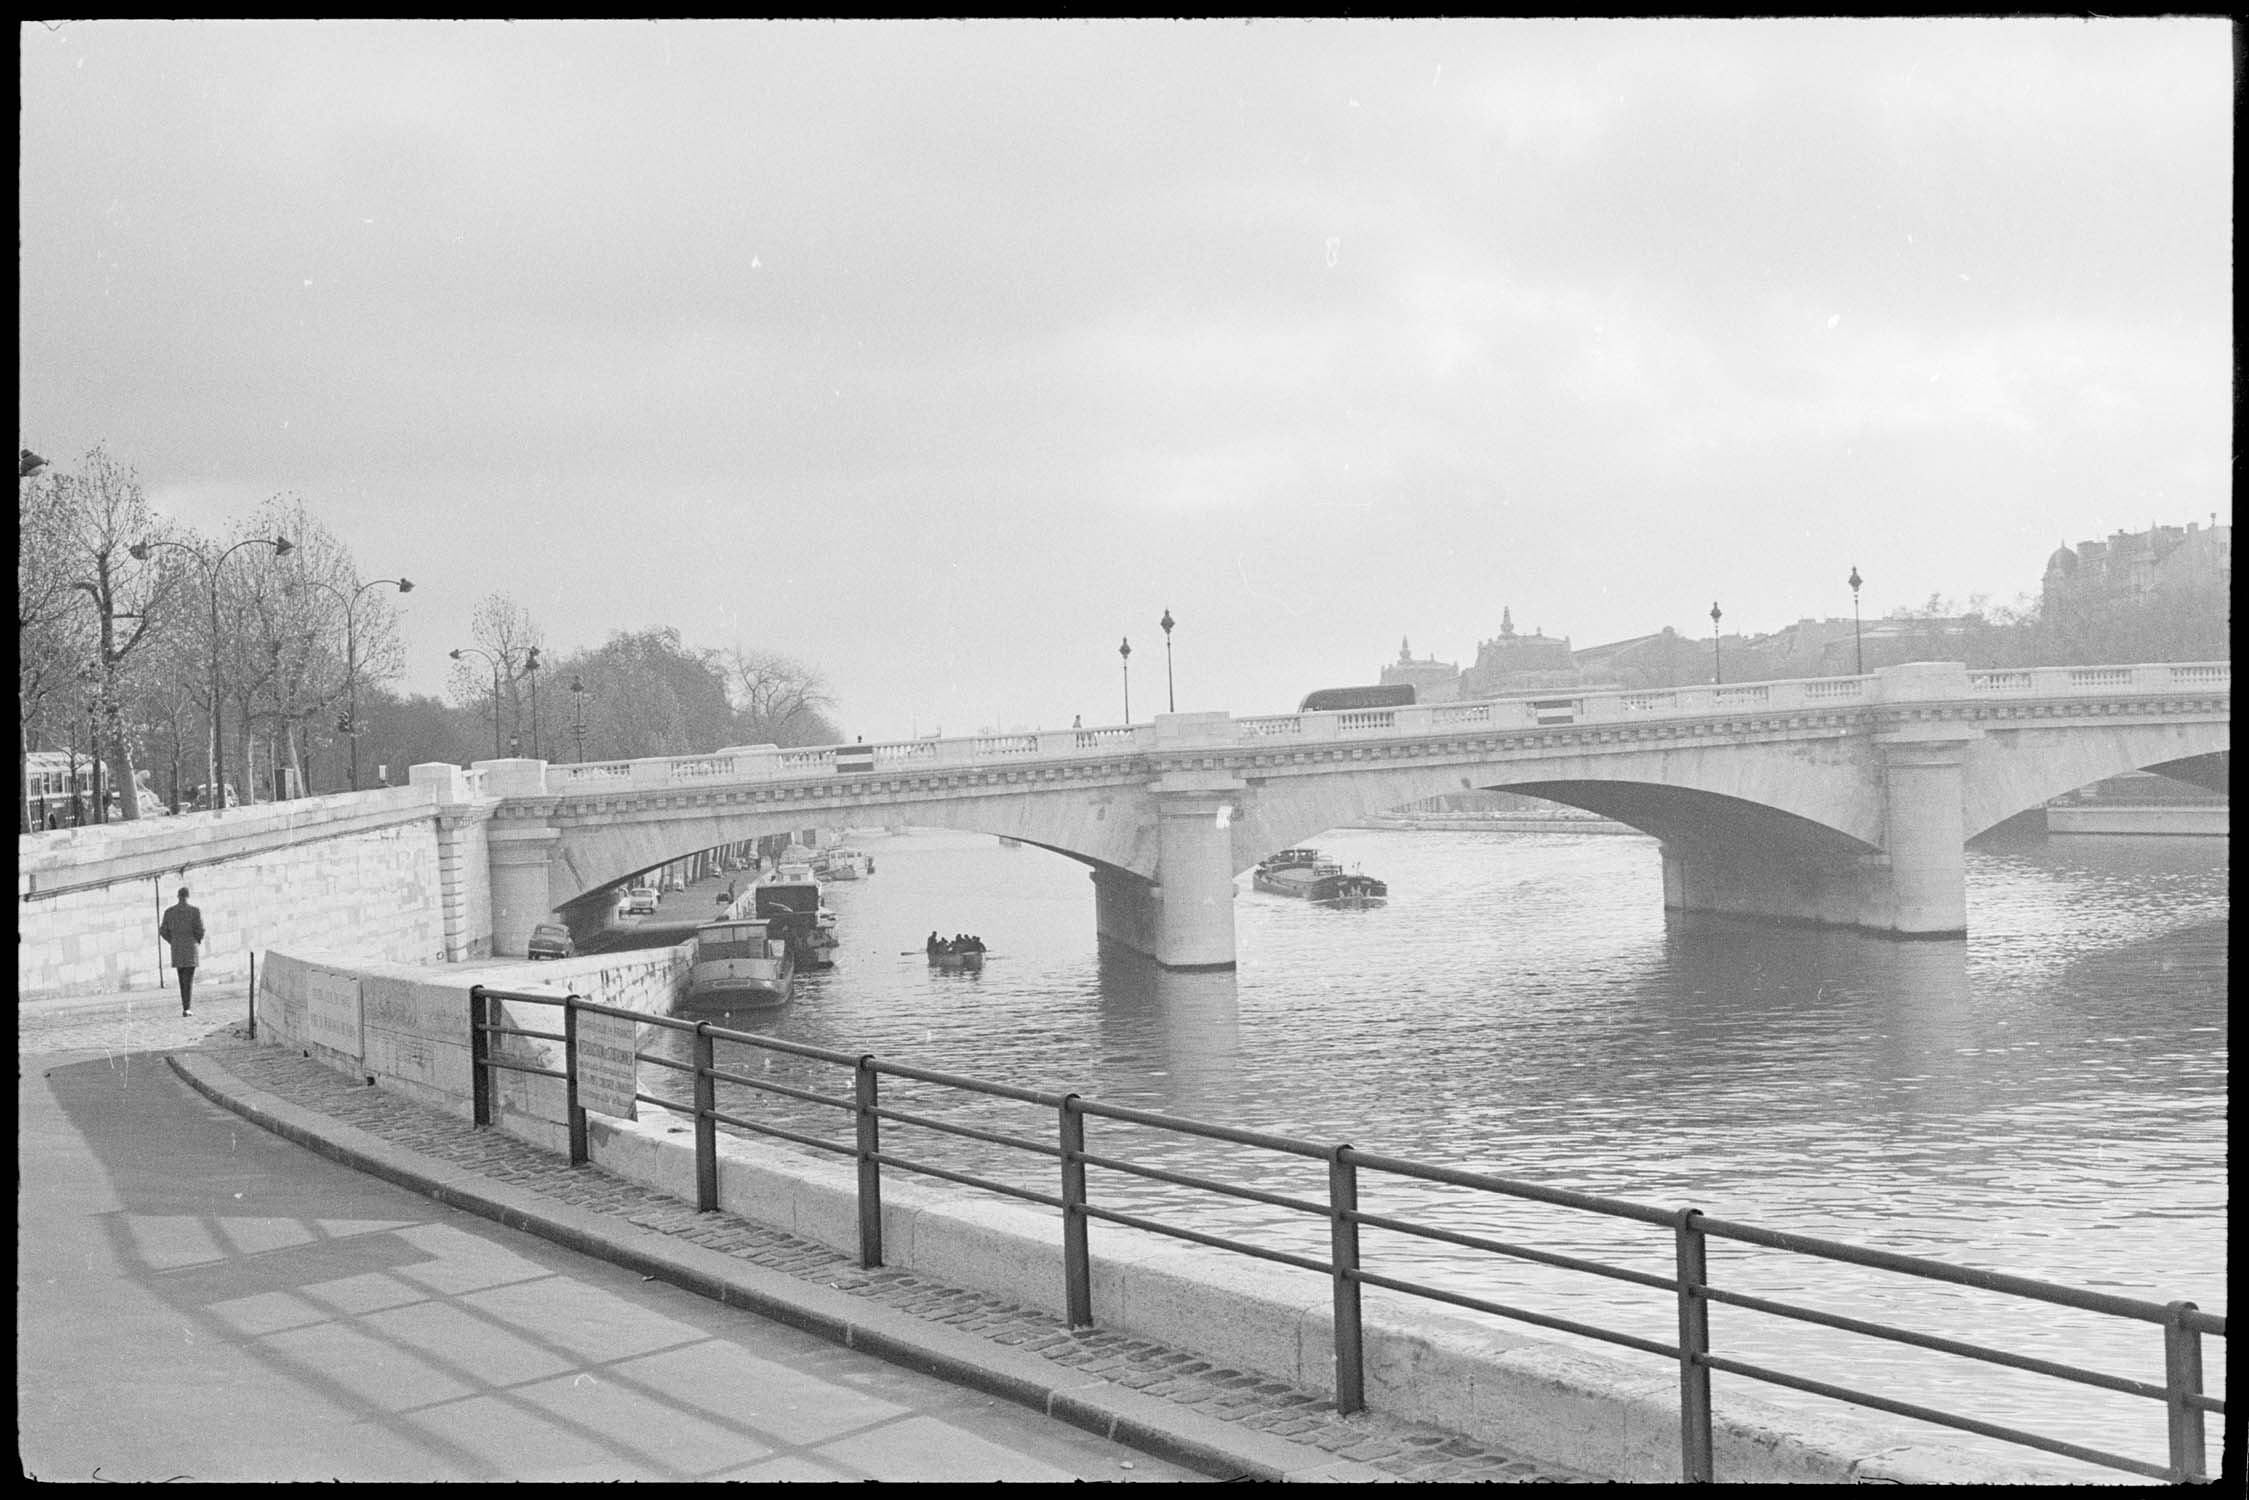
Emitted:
pixel 2046 1098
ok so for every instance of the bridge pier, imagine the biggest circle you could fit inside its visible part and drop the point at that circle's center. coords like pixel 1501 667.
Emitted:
pixel 1184 918
pixel 1915 886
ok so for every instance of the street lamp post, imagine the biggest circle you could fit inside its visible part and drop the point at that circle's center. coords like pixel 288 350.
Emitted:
pixel 531 666
pixel 1124 655
pixel 1858 641
pixel 460 651
pixel 578 714
pixel 1171 701
pixel 1717 664
pixel 351 655
pixel 282 547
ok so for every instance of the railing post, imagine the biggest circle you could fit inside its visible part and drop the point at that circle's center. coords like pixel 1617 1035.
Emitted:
pixel 1077 1260
pixel 253 994
pixel 572 1111
pixel 870 1169
pixel 706 1127
pixel 1695 1461
pixel 480 1058
pixel 1343 1240
pixel 2182 1380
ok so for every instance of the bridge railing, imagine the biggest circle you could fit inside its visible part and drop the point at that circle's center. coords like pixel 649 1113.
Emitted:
pixel 1353 1261
pixel 1279 731
pixel 2152 678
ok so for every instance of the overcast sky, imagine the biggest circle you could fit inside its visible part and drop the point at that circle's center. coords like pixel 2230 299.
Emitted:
pixel 944 356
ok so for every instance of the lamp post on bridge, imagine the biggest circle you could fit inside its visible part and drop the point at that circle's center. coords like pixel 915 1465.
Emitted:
pixel 282 547
pixel 1858 641
pixel 578 713
pixel 460 651
pixel 1171 701
pixel 351 655
pixel 1717 663
pixel 1124 655
pixel 531 666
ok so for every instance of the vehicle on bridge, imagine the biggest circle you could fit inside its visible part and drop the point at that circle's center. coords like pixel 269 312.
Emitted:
pixel 1312 876
pixel 740 964
pixel 1383 695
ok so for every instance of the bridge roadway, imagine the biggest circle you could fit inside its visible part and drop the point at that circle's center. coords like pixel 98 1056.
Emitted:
pixel 1840 800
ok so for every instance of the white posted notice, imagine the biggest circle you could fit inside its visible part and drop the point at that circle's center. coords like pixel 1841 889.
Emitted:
pixel 607 1069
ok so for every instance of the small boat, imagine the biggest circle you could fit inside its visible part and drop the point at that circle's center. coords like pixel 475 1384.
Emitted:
pixel 1311 876
pixel 740 964
pixel 844 863
pixel 789 898
pixel 968 960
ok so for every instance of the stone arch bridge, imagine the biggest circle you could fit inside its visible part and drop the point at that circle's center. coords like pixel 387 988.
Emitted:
pixel 1841 800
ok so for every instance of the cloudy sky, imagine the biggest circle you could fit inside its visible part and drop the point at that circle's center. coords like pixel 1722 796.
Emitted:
pixel 944 356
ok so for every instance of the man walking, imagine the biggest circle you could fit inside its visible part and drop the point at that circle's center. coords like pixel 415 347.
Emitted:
pixel 182 927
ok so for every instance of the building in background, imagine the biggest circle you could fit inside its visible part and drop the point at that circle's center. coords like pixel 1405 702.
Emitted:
pixel 1511 663
pixel 2139 564
pixel 1433 681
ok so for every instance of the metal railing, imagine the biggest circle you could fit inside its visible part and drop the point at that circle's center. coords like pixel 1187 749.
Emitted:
pixel 1346 1267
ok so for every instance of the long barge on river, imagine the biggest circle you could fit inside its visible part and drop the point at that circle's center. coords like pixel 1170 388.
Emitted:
pixel 1312 876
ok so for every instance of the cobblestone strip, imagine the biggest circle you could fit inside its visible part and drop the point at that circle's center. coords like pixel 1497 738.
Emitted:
pixel 1404 1450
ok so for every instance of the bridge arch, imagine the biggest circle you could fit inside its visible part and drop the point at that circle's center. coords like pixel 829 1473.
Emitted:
pixel 2007 777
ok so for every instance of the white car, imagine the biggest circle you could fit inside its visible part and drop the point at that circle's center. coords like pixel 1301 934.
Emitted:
pixel 641 901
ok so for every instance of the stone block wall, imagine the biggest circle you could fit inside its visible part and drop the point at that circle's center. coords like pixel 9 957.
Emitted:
pixel 358 872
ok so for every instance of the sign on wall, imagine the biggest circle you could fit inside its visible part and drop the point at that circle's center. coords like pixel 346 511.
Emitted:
pixel 332 1011
pixel 607 1069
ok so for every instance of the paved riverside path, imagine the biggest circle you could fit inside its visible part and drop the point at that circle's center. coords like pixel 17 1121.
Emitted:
pixel 201 1300
pixel 1168 1406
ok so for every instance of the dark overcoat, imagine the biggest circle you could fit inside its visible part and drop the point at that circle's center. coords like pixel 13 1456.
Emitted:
pixel 182 927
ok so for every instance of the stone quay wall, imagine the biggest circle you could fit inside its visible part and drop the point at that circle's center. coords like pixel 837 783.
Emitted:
pixel 358 871
pixel 408 1030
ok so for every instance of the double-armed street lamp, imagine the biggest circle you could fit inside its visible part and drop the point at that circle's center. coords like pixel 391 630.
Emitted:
pixel 1124 655
pixel 1857 641
pixel 282 547
pixel 1171 700
pixel 1717 664
pixel 350 726
pixel 460 651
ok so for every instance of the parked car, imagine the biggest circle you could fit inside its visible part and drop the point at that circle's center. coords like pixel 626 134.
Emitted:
pixel 641 901
pixel 552 940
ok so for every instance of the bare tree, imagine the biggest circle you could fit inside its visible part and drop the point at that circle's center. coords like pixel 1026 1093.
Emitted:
pixel 778 699
pixel 102 516
pixel 53 633
pixel 504 648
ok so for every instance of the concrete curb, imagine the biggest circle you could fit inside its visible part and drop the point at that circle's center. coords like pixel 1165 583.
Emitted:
pixel 1149 1423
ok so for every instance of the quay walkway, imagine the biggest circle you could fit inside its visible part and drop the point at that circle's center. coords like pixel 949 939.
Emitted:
pixel 1225 1423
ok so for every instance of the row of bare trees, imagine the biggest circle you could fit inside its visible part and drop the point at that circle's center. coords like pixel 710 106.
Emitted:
pixel 253 663
pixel 638 694
pixel 141 641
